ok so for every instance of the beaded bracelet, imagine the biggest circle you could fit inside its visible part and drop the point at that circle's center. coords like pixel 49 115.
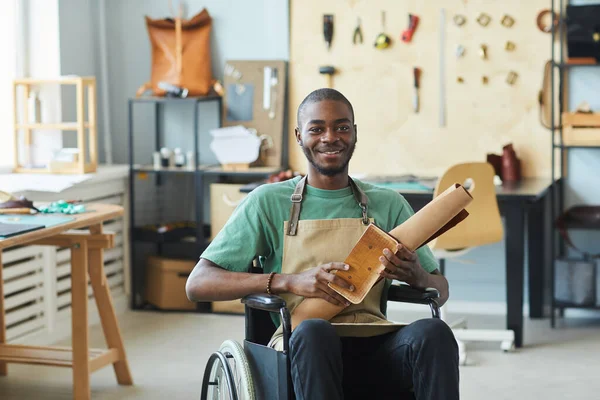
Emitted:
pixel 269 282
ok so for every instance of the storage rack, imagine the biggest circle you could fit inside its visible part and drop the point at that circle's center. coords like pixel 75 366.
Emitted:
pixel 557 197
pixel 201 171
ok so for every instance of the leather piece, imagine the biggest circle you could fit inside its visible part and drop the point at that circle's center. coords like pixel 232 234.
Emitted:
pixel 18 203
pixel 181 53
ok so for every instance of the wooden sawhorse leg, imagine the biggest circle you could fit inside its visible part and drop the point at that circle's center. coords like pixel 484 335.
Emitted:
pixel 108 317
pixel 87 256
pixel 79 320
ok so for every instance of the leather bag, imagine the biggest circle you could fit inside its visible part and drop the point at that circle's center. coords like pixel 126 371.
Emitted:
pixel 180 54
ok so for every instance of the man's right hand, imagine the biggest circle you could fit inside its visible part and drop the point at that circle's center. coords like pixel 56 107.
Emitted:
pixel 314 283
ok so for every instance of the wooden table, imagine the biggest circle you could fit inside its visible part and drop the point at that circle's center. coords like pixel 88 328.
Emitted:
pixel 86 257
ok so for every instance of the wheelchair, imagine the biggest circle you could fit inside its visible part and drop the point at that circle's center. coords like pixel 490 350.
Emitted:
pixel 256 371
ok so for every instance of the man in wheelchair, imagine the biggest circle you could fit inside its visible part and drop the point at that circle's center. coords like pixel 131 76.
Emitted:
pixel 358 353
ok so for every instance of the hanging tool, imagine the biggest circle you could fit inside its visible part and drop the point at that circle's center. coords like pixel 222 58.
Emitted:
pixel 417 77
pixel 358 36
pixel 382 40
pixel 328 70
pixel 442 54
pixel 328 29
pixel 407 35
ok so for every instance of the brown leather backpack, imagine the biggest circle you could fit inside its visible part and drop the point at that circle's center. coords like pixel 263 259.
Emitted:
pixel 180 54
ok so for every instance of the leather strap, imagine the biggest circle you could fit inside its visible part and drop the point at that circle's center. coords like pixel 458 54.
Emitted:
pixel 545 99
pixel 296 206
pixel 296 200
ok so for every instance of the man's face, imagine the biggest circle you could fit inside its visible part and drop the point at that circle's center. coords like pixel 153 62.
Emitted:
pixel 327 136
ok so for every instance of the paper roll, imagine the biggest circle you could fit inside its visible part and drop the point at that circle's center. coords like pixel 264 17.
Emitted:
pixel 438 216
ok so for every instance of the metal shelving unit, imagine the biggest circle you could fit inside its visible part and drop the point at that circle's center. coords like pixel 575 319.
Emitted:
pixel 557 197
pixel 191 239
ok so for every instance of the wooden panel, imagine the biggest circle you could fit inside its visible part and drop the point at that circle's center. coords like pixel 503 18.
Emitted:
pixel 23 313
pixel 23 283
pixel 36 293
pixel 25 328
pixel 379 83
pixel 24 268
pixel 20 253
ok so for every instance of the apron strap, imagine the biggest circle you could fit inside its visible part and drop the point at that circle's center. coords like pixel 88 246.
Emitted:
pixel 296 206
pixel 361 198
pixel 296 199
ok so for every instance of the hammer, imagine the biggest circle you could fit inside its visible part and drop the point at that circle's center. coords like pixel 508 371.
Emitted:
pixel 328 70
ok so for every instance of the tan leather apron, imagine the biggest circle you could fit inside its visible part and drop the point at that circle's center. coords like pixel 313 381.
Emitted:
pixel 309 243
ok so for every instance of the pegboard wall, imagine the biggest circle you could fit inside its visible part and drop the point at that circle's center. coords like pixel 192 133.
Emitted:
pixel 479 118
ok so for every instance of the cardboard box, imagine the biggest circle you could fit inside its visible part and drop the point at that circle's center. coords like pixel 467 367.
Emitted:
pixel 228 307
pixel 224 198
pixel 165 283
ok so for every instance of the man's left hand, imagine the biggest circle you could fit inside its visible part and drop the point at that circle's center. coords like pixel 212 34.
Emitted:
pixel 403 265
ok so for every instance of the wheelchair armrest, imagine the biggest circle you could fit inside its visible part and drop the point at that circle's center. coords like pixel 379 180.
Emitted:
pixel 408 294
pixel 265 302
pixel 269 303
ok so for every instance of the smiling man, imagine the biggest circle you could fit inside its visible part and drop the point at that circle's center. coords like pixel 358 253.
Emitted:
pixel 358 353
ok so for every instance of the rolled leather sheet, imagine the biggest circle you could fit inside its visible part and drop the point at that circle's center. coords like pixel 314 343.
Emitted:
pixel 438 216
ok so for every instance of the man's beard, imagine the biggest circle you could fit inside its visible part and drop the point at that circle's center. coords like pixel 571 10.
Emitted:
pixel 329 171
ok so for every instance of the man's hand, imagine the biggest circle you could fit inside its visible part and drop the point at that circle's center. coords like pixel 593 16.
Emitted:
pixel 403 265
pixel 313 283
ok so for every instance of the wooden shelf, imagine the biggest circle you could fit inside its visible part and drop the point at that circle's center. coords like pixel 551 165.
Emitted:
pixel 581 120
pixel 62 80
pixel 86 131
pixel 65 126
pixel 87 169
pixel 55 356
pixel 207 170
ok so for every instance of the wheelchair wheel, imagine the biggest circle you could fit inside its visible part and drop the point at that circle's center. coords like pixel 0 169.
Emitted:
pixel 227 374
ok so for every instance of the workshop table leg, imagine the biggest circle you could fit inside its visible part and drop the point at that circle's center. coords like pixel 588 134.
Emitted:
pixel 106 311
pixel 79 321
pixel 3 369
pixel 515 269
pixel 535 240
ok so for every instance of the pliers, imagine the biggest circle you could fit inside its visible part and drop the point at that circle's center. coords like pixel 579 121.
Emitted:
pixel 358 36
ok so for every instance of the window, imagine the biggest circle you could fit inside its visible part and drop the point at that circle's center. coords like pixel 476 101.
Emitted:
pixel 8 46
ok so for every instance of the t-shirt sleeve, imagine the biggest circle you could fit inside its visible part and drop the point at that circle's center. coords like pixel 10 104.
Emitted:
pixel 242 238
pixel 426 257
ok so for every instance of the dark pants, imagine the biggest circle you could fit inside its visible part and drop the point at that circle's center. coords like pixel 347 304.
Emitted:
pixel 422 357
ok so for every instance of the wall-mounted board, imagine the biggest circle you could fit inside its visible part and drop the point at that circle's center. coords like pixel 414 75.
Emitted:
pixel 479 118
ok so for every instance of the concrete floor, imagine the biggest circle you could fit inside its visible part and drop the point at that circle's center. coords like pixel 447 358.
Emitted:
pixel 167 353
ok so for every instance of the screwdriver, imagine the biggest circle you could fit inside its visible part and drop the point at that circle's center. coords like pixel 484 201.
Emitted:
pixel 417 76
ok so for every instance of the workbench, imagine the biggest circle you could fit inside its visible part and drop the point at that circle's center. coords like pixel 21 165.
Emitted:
pixel 86 240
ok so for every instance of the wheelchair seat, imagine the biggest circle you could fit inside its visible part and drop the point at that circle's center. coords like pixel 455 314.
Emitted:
pixel 260 372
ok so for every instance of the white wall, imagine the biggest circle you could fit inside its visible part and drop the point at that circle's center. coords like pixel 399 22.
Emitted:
pixel 258 29
pixel 8 31
pixel 78 39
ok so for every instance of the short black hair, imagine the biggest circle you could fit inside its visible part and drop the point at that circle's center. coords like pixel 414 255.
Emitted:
pixel 323 94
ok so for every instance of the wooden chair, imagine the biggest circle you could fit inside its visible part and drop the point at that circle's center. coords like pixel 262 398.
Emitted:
pixel 483 226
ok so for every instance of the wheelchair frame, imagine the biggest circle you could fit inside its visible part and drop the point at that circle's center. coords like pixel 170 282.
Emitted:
pixel 271 368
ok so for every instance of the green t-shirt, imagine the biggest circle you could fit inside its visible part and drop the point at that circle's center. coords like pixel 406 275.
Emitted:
pixel 255 229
